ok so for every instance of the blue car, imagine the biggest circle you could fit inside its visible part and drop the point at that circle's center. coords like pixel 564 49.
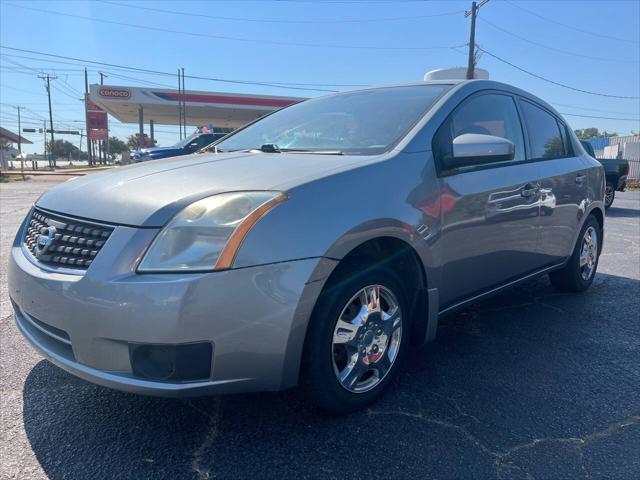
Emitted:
pixel 184 147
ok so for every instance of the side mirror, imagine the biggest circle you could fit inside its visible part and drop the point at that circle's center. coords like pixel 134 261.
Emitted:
pixel 473 149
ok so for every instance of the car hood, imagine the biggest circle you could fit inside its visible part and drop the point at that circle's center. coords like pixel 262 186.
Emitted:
pixel 150 194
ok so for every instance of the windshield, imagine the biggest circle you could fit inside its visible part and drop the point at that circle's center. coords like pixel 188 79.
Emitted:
pixel 365 122
pixel 186 141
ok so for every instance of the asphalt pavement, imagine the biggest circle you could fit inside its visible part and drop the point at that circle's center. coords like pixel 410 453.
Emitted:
pixel 530 384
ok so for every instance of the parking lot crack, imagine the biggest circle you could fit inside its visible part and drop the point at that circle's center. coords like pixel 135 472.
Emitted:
pixel 209 438
pixel 439 422
pixel 578 442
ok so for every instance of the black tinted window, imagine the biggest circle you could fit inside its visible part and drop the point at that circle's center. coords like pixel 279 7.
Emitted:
pixel 204 140
pixel 490 114
pixel 361 122
pixel 545 137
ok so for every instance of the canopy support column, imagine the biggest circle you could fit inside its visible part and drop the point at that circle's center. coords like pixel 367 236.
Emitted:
pixel 141 125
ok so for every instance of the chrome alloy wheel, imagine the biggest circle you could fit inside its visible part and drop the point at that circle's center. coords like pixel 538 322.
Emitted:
pixel 588 253
pixel 366 338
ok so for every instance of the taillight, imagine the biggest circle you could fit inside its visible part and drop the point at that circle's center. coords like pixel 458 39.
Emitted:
pixel 625 169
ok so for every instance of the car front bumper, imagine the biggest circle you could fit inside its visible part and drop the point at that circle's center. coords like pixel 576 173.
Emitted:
pixel 254 318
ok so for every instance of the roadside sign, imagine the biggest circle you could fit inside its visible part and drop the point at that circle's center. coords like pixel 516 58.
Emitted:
pixel 97 121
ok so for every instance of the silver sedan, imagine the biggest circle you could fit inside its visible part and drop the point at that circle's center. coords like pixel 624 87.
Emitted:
pixel 315 246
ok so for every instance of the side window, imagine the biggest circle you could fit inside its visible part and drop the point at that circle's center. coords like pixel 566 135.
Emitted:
pixel 545 136
pixel 204 140
pixel 566 139
pixel 490 114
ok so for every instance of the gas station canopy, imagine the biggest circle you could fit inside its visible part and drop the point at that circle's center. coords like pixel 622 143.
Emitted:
pixel 161 106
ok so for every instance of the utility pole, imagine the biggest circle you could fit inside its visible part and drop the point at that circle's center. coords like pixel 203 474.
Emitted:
pixel 20 143
pixel 19 131
pixel 80 149
pixel 44 130
pixel 184 107
pixel 472 37
pixel 86 120
pixel 48 78
pixel 180 103
pixel 106 144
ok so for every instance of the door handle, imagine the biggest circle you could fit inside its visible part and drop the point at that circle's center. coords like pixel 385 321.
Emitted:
pixel 581 177
pixel 530 190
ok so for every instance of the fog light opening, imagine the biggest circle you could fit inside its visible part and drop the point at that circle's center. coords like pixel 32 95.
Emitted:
pixel 153 362
pixel 171 363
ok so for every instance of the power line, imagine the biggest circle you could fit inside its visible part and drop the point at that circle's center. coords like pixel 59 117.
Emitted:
pixel 20 90
pixel 571 27
pixel 133 79
pixel 268 20
pixel 229 38
pixel 554 49
pixel 553 81
pixel 157 72
pixel 41 72
pixel 590 109
pixel 602 118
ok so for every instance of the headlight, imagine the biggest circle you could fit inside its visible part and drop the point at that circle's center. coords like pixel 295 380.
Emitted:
pixel 207 234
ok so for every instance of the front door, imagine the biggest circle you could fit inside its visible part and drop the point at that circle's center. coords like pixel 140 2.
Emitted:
pixel 490 230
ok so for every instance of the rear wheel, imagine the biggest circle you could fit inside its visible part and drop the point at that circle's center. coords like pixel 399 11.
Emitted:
pixel 577 275
pixel 357 339
pixel 609 195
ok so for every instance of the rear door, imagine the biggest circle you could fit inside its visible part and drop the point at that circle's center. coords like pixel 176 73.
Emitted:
pixel 563 186
pixel 490 228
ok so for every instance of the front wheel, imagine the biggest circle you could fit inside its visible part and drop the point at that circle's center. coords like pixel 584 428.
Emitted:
pixel 609 195
pixel 356 341
pixel 577 275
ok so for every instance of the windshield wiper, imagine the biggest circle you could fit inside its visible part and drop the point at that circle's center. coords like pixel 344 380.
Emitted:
pixel 273 148
pixel 266 148
pixel 309 150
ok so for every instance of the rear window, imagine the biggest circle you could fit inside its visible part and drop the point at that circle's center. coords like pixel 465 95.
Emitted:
pixel 545 136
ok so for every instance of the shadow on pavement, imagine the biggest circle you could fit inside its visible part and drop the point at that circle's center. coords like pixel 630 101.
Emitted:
pixel 532 382
pixel 616 212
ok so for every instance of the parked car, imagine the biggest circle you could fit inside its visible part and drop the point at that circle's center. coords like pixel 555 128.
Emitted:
pixel 616 171
pixel 184 147
pixel 314 246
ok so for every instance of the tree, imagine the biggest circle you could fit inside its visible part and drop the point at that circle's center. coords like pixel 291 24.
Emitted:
pixel 62 149
pixel 589 133
pixel 117 146
pixel 5 144
pixel 132 141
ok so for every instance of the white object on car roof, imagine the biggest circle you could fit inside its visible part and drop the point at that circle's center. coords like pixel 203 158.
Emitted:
pixel 456 73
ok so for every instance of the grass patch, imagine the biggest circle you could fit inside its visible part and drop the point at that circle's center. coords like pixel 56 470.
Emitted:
pixel 12 178
pixel 633 185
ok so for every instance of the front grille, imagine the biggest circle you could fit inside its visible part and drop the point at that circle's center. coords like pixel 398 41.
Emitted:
pixel 64 242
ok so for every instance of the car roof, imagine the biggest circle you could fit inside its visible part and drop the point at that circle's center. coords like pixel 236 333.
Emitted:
pixel 473 84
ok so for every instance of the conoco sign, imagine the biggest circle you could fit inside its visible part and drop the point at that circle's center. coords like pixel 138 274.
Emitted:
pixel 114 93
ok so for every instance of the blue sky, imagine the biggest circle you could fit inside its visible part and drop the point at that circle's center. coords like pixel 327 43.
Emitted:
pixel 245 46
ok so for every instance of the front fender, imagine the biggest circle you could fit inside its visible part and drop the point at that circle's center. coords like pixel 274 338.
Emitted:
pixel 330 216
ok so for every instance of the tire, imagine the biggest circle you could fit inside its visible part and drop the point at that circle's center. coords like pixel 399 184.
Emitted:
pixel 574 277
pixel 324 360
pixel 609 195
